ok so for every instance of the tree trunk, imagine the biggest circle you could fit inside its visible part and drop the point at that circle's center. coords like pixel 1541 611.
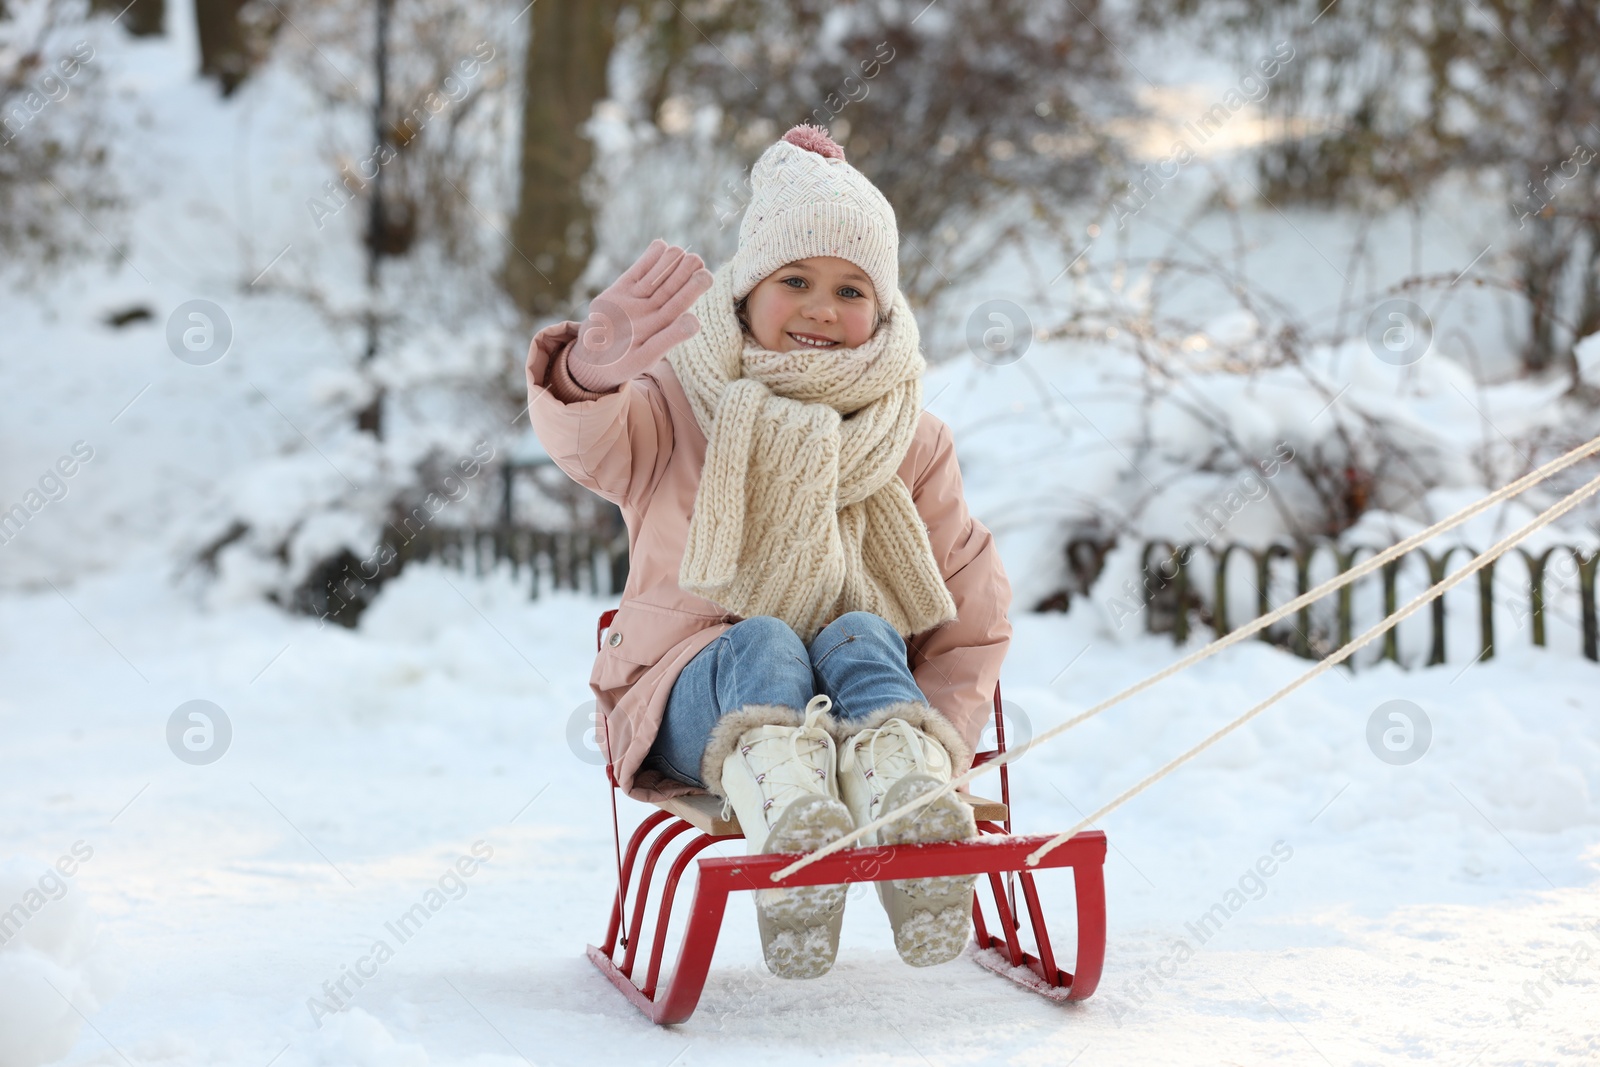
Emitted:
pixel 553 232
pixel 1589 302
pixel 1542 266
pixel 370 418
pixel 224 54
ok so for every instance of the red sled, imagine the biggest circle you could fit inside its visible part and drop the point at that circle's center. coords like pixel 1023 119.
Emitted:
pixel 695 822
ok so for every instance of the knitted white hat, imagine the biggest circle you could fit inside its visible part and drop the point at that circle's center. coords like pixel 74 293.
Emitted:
pixel 807 201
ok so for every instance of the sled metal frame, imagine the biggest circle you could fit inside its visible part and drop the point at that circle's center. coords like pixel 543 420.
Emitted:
pixel 996 853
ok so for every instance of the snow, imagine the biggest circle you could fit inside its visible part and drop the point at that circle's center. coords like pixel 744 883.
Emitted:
pixel 48 938
pixel 1441 910
pixel 364 765
pixel 1587 352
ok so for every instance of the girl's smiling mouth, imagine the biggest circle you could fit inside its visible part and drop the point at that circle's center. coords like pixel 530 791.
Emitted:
pixel 811 340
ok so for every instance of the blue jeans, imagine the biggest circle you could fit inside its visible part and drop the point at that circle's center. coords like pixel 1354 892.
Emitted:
pixel 858 660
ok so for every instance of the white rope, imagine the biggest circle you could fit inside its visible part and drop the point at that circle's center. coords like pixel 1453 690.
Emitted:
pixel 1355 573
pixel 1477 563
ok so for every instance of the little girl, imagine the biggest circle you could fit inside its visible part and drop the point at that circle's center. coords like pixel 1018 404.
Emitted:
pixel 813 625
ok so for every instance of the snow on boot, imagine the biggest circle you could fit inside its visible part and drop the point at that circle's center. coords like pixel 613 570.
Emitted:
pixel 886 766
pixel 780 781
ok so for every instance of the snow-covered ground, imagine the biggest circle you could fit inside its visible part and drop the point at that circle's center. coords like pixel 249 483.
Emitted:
pixel 1443 910
pixel 1407 907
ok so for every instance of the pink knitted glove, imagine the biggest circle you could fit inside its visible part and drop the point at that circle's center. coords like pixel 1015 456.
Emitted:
pixel 644 313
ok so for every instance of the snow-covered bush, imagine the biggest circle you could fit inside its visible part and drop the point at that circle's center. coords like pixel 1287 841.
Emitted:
pixel 1129 422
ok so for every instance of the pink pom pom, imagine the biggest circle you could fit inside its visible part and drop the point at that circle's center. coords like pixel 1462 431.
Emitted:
pixel 814 139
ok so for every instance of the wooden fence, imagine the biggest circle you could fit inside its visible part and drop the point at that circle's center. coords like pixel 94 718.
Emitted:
pixel 547 559
pixel 1168 598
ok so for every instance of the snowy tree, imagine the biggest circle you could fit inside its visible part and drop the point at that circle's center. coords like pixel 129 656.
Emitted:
pixel 54 190
pixel 1388 99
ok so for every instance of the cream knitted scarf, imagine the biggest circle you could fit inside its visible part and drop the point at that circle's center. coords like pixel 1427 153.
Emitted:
pixel 800 513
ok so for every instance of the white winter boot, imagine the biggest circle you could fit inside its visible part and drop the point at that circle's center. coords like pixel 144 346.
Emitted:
pixel 780 781
pixel 892 758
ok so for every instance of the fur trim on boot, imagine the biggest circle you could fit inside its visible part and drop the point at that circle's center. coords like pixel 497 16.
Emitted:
pixel 918 713
pixel 732 726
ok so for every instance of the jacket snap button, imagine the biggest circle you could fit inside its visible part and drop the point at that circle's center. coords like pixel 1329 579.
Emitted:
pixel 615 639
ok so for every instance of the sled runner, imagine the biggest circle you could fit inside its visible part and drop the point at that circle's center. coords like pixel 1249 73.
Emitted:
pixel 693 823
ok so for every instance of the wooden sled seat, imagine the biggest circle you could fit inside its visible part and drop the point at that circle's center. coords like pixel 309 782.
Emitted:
pixel 704 812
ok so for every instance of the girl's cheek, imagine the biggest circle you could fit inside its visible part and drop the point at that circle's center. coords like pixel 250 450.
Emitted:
pixel 864 323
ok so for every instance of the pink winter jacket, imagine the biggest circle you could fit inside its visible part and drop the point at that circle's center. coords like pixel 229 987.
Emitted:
pixel 641 448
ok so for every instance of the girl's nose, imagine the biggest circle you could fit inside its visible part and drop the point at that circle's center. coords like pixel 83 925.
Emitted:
pixel 820 312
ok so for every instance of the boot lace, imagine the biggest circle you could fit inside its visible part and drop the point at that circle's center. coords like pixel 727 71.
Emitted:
pixel 799 761
pixel 901 753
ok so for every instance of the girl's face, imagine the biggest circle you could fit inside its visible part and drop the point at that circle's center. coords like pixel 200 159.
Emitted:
pixel 817 303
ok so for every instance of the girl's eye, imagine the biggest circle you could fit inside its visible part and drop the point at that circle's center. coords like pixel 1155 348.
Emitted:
pixel 848 290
